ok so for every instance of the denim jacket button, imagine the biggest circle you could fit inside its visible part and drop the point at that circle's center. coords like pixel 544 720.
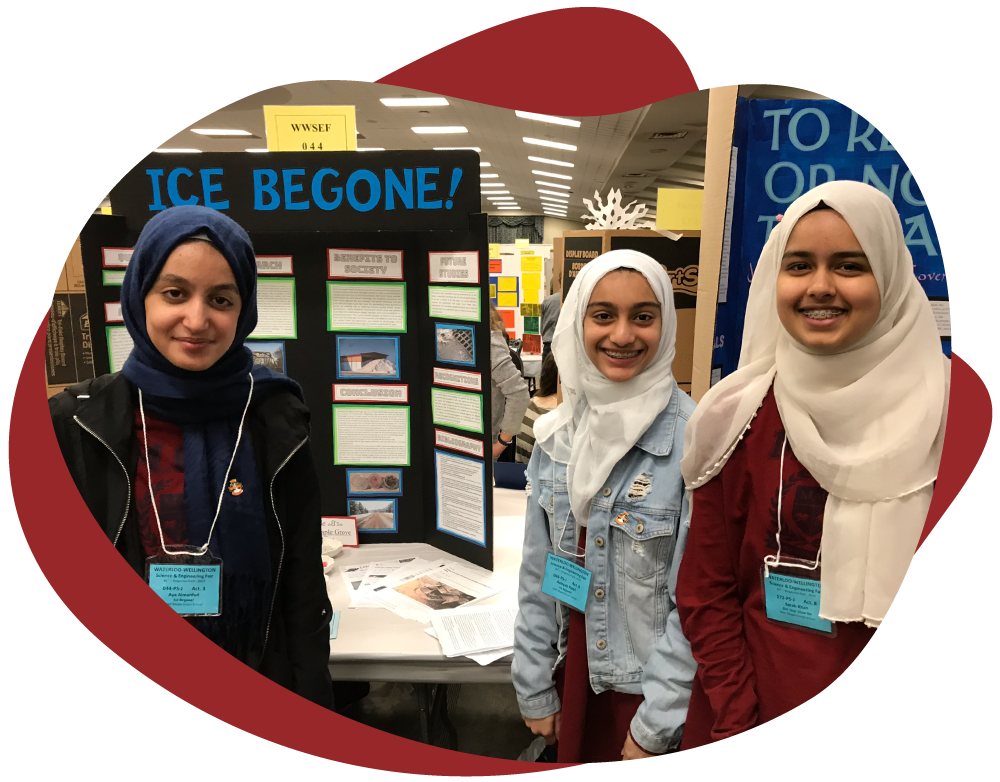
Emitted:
pixel 601 644
pixel 606 492
pixel 599 594
pixel 598 542
pixel 638 527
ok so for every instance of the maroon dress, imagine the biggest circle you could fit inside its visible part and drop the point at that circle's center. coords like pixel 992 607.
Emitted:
pixel 751 669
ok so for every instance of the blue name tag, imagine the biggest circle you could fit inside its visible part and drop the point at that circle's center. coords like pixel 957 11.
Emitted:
pixel 334 624
pixel 566 581
pixel 795 601
pixel 191 590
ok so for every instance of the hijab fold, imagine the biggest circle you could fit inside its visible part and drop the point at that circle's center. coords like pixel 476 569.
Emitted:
pixel 868 422
pixel 600 420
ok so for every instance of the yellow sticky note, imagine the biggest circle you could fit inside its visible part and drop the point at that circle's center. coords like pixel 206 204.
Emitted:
pixel 494 252
pixel 532 281
pixel 310 128
pixel 507 299
pixel 520 242
pixel 507 283
pixel 531 296
pixel 531 263
pixel 678 210
pixel 493 291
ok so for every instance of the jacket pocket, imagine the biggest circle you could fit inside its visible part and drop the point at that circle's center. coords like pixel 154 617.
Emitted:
pixel 644 543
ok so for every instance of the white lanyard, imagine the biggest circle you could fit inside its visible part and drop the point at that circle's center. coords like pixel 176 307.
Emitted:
pixel 772 560
pixel 149 477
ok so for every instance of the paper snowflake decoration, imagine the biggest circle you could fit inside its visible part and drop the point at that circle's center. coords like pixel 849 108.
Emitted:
pixel 613 215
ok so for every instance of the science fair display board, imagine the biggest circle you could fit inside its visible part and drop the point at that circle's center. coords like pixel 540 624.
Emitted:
pixel 373 296
pixel 519 279
pixel 784 148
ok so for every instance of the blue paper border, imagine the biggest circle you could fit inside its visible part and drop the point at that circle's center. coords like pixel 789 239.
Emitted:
pixel 395 516
pixel 437 497
pixel 369 378
pixel 359 495
pixel 450 361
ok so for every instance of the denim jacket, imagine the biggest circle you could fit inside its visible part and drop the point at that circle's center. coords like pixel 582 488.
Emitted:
pixel 634 639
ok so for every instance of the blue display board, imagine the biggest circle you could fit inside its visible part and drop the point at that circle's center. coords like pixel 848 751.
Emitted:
pixel 785 148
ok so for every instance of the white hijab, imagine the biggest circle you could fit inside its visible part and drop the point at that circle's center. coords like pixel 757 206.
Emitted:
pixel 599 419
pixel 868 422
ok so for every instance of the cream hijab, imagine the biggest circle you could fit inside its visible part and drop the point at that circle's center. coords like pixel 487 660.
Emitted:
pixel 600 420
pixel 868 422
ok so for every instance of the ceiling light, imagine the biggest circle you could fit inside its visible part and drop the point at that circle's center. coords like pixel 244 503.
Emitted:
pixel 259 149
pixel 440 129
pixel 453 149
pixel 554 214
pixel 489 176
pixel 543 143
pixel 177 150
pixel 492 184
pixel 370 149
pixel 552 192
pixel 550 198
pixel 514 208
pixel 501 198
pixel 559 210
pixel 573 123
pixel 483 165
pixel 550 162
pixel 395 102
pixel 220 132
pixel 493 192
pixel 550 174
pixel 552 184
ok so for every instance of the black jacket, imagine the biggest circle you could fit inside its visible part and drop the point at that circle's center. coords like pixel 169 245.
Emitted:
pixel 94 423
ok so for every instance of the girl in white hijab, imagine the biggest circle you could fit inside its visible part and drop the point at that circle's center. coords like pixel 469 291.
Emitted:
pixel 812 465
pixel 612 678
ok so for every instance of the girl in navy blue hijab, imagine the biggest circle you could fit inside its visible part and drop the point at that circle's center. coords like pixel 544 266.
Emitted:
pixel 210 438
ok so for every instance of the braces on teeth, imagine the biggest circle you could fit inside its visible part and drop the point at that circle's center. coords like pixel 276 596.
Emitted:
pixel 821 314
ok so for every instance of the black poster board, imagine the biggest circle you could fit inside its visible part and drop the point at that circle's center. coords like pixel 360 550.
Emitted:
pixel 679 258
pixel 578 251
pixel 311 358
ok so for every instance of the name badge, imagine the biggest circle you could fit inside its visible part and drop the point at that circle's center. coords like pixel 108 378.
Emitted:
pixel 794 600
pixel 189 589
pixel 566 581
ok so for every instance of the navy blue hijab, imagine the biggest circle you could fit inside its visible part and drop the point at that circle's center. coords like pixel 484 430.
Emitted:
pixel 208 404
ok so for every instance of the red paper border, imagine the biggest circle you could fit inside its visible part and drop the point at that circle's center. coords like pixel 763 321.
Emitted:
pixel 452 282
pixel 290 273
pixel 352 518
pixel 369 401
pixel 106 265
pixel 402 256
pixel 461 388
pixel 458 450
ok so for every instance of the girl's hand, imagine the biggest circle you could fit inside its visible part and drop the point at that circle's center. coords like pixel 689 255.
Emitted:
pixel 546 727
pixel 632 751
pixel 498 448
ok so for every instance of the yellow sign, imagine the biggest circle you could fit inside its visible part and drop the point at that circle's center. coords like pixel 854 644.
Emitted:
pixel 507 283
pixel 531 263
pixel 527 252
pixel 532 281
pixel 531 296
pixel 506 299
pixel 520 242
pixel 310 128
pixel 493 290
pixel 494 252
pixel 678 210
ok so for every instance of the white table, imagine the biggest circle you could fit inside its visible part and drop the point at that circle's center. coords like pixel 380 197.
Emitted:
pixel 532 364
pixel 374 644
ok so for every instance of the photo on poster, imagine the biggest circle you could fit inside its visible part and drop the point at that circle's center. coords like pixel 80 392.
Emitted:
pixel 371 435
pixel 455 344
pixel 461 496
pixel 366 306
pixel 370 358
pixel 373 515
pixel 269 354
pixel 457 409
pixel 276 316
pixel 454 266
pixel 387 483
pixel 344 263
pixel 446 301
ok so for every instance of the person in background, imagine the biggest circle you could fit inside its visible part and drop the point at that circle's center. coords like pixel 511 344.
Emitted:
pixel 542 402
pixel 550 314
pixel 194 456
pixel 508 389
pixel 812 466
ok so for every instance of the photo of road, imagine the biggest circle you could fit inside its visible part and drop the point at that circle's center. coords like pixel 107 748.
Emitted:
pixel 373 515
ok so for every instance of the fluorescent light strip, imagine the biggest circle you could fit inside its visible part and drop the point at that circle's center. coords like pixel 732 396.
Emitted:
pixel 492 184
pixel 557 200
pixel 510 208
pixel 177 150
pixel 501 198
pixel 552 184
pixel 573 123
pixel 399 102
pixel 550 174
pixel 550 161
pixel 552 193
pixel 483 165
pixel 221 132
pixel 493 192
pixel 543 143
pixel 370 149
pixel 489 176
pixel 552 210
pixel 456 149
pixel 258 149
pixel 440 129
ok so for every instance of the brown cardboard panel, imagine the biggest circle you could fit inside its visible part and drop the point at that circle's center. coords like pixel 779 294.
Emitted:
pixel 69 356
pixel 74 269
pixel 558 246
pixel 684 346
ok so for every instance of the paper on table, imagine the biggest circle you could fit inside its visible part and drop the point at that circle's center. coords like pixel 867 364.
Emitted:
pixel 483 658
pixel 417 593
pixel 466 630
pixel 375 574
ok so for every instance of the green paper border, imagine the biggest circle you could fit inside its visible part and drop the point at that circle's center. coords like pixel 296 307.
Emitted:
pixel 295 311
pixel 364 329
pixel 106 272
pixel 397 408
pixel 107 336
pixel 434 418
pixel 479 302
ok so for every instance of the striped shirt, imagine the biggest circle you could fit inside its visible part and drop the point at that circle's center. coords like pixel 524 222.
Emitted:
pixel 526 437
